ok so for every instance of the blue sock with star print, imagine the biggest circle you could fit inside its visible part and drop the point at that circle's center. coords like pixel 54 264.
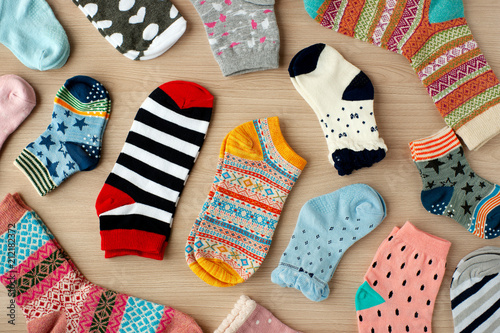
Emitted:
pixel 72 141
pixel 327 226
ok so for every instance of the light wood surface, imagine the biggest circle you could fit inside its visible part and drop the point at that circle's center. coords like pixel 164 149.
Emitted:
pixel 403 110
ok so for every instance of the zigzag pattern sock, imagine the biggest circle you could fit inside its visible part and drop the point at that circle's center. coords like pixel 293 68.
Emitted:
pixel 434 36
pixel 342 98
pixel 236 230
pixel 52 293
pixel 327 226
pixel 72 142
pixel 137 203
pixel 139 29
pixel 402 283
pixel 452 188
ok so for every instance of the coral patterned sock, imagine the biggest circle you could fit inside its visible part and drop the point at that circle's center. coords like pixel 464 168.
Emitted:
pixel 434 36
pixel 235 232
pixel 55 296
pixel 452 188
pixel 402 282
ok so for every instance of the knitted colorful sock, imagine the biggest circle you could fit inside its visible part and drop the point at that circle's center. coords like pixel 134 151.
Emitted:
pixel 475 291
pixel 342 98
pixel 72 141
pixel 55 296
pixel 139 29
pixel 17 99
pixel 249 317
pixel 434 36
pixel 137 203
pixel 327 226
pixel 31 31
pixel 259 171
pixel 452 188
pixel 402 283
pixel 243 34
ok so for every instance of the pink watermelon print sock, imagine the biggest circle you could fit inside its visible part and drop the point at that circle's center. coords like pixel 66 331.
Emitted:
pixel 434 36
pixel 402 282
pixel 52 293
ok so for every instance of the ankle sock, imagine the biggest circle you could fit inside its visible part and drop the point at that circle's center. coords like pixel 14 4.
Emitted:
pixel 402 283
pixel 137 203
pixel 475 291
pixel 55 296
pixel 342 98
pixel 17 99
pixel 248 316
pixel 243 34
pixel 434 36
pixel 259 170
pixel 452 188
pixel 139 29
pixel 327 226
pixel 72 142
pixel 33 34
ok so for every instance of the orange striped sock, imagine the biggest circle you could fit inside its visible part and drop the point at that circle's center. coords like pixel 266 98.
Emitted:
pixel 452 188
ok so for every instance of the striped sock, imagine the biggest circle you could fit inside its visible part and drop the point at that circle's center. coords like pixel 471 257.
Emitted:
pixel 137 203
pixel 475 292
pixel 452 188
pixel 434 36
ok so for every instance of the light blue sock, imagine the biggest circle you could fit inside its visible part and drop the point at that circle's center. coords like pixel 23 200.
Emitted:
pixel 31 31
pixel 72 141
pixel 327 226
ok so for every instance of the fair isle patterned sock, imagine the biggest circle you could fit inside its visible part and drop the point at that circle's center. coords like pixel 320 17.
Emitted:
pixel 243 34
pixel 327 226
pixel 451 188
pixel 72 142
pixel 137 203
pixel 139 29
pixel 342 97
pixel 475 292
pixel 259 171
pixel 434 36
pixel 56 297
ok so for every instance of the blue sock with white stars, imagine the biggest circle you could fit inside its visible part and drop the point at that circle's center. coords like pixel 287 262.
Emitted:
pixel 72 141
pixel 342 97
pixel 327 226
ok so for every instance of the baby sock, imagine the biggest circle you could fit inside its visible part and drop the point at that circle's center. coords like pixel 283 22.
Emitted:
pixel 243 34
pixel 342 98
pixel 137 203
pixel 139 29
pixel 17 99
pixel 475 291
pixel 31 31
pixel 258 172
pixel 452 188
pixel 327 226
pixel 249 317
pixel 55 296
pixel 402 282
pixel 72 141
pixel 434 36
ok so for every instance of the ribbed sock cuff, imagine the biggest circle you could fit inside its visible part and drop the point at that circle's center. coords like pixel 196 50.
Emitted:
pixel 12 208
pixel 232 63
pixel 434 146
pixel 483 127
pixel 36 172
pixel 134 240
pixel 424 242
pixel 282 146
pixel 123 252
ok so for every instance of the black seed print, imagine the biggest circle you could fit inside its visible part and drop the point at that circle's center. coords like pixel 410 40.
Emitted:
pixel 403 248
pixel 379 313
pixel 389 329
pixel 422 287
pixel 407 328
pixel 388 275
pixel 435 277
pixel 404 283
pixel 418 273
pixel 397 312
pixel 428 302
pixel 416 314
pixel 416 256
pixel 409 299
pixel 374 264
pixel 390 294
pixel 389 256
pixel 403 266
pixel 425 328
pixel 390 238
pixel 430 262
pixel 373 330
pixel 375 283
pixel 360 318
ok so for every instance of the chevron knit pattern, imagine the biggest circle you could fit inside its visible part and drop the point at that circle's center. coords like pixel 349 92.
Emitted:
pixel 138 201
pixel 434 36
pixel 236 226
pixel 55 296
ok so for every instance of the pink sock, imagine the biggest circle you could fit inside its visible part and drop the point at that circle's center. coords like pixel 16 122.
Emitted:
pixel 17 99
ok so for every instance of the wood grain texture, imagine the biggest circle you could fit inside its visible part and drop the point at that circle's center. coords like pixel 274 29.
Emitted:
pixel 403 110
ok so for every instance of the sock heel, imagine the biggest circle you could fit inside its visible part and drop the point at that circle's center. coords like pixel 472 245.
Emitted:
pixel 436 200
pixel 85 161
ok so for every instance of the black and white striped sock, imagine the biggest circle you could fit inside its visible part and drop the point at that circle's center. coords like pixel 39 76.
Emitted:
pixel 137 203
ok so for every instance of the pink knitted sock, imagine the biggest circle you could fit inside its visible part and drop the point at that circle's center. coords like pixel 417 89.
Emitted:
pixel 17 99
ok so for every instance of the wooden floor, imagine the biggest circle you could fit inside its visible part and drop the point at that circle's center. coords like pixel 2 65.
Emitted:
pixel 403 110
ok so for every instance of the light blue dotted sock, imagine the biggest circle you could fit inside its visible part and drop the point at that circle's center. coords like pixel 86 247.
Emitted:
pixel 72 141
pixel 327 226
